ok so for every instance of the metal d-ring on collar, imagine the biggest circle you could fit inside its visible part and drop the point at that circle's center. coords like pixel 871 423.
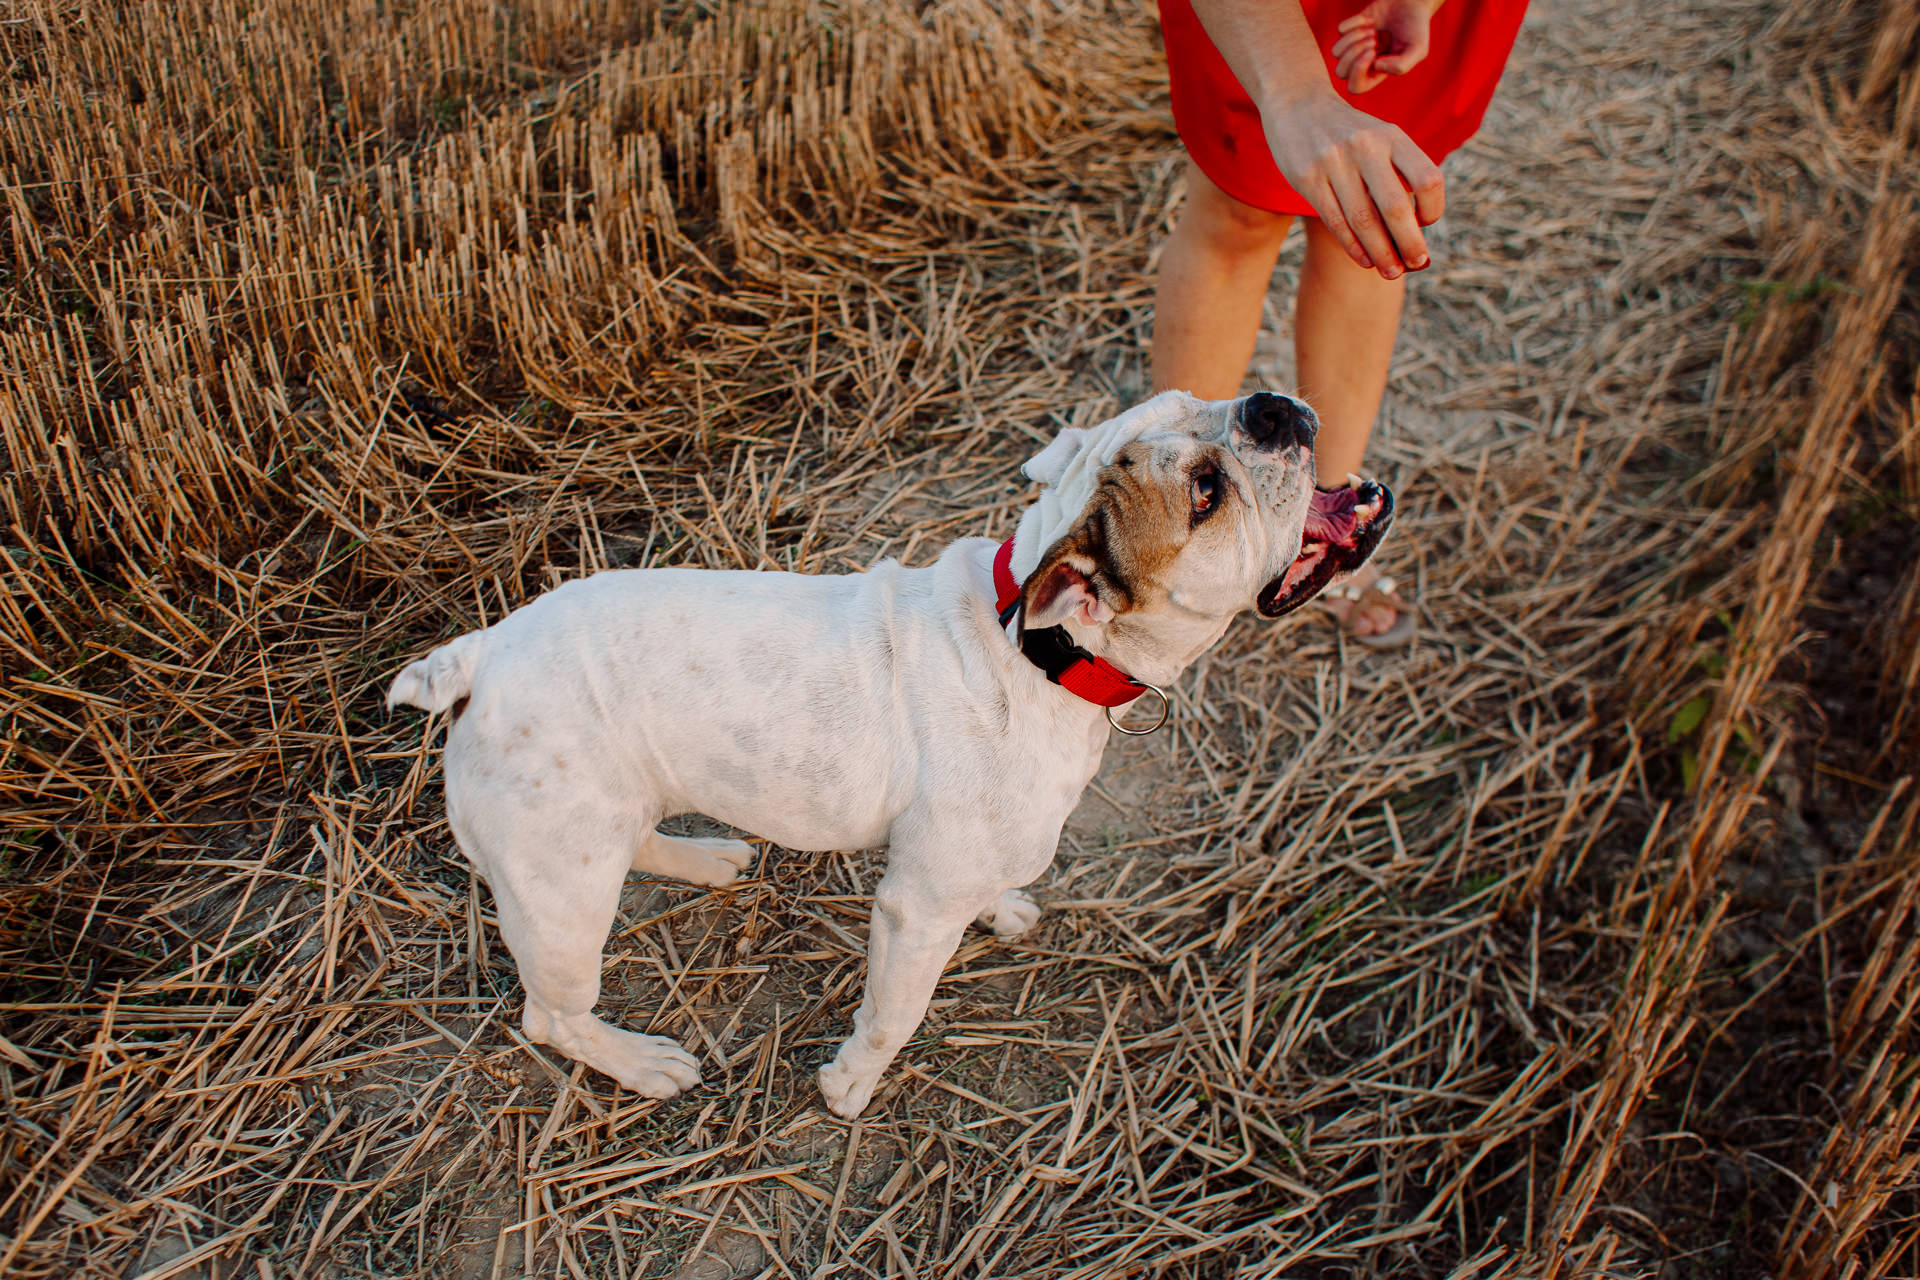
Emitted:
pixel 1079 672
pixel 1166 709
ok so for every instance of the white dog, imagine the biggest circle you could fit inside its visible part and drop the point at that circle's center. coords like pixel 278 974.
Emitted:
pixel 952 713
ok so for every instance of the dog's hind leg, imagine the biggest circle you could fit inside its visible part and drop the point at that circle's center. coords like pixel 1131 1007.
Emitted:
pixel 555 911
pixel 693 859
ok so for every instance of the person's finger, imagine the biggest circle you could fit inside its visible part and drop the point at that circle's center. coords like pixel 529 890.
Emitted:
pixel 1423 180
pixel 1396 210
pixel 1362 18
pixel 1364 221
pixel 1403 60
pixel 1355 61
pixel 1363 77
pixel 1353 39
pixel 1320 195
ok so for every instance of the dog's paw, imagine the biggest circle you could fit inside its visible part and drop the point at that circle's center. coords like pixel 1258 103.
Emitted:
pixel 695 859
pixel 1012 916
pixel 847 1091
pixel 725 860
pixel 651 1066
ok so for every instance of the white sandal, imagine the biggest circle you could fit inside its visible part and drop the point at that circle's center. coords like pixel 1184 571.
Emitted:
pixel 1383 586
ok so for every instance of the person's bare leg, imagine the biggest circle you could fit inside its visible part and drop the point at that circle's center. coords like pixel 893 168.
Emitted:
pixel 1344 324
pixel 1214 273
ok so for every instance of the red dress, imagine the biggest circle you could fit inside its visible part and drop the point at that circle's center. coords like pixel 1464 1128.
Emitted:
pixel 1439 103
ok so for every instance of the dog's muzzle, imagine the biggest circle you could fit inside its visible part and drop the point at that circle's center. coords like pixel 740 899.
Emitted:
pixel 1272 422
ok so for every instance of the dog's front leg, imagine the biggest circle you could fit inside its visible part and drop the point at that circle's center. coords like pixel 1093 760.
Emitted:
pixel 914 933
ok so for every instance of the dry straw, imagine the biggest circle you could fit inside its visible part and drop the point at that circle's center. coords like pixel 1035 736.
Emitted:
pixel 328 330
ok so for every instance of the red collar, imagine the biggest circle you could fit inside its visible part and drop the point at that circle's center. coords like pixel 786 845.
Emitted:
pixel 1054 652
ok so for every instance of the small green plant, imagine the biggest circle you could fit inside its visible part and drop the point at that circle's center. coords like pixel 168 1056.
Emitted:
pixel 1478 884
pixel 1759 292
pixel 1689 718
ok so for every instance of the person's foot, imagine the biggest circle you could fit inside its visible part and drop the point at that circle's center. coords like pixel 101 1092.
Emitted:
pixel 1369 610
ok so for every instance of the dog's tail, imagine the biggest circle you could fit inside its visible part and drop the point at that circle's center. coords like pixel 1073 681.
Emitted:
pixel 441 678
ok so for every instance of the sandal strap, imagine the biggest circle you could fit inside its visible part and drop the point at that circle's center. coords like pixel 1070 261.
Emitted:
pixel 1384 584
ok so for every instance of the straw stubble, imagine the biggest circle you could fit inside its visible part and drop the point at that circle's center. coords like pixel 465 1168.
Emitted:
pixel 333 330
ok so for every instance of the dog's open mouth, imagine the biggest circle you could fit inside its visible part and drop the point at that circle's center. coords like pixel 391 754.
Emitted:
pixel 1343 528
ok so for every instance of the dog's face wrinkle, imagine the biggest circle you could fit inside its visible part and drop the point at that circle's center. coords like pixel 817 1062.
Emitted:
pixel 1128 537
pixel 1109 581
pixel 1107 547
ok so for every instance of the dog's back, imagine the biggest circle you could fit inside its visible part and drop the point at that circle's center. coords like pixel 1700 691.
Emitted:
pixel 764 700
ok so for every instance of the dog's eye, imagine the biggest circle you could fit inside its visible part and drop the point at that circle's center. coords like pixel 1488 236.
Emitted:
pixel 1206 492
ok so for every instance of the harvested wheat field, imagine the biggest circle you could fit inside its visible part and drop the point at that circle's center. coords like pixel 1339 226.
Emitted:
pixel 1581 938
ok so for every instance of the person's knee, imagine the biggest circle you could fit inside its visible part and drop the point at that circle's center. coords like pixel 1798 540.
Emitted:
pixel 1230 227
pixel 1328 272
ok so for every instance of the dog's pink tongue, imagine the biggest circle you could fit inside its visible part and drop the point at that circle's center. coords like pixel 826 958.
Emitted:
pixel 1330 515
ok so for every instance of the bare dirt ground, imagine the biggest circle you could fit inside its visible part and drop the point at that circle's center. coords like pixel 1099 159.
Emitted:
pixel 1576 939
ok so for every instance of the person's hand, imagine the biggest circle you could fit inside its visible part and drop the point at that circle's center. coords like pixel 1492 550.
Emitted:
pixel 1387 38
pixel 1350 167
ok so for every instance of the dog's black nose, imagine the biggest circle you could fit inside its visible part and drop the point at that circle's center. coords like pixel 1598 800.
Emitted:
pixel 1275 422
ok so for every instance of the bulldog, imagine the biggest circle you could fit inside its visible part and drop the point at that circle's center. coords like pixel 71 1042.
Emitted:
pixel 952 713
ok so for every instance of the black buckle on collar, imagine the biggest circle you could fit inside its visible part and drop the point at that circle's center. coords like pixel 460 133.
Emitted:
pixel 1049 648
pixel 1052 650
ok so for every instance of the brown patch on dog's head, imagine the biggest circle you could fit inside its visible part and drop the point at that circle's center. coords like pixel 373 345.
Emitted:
pixel 1114 560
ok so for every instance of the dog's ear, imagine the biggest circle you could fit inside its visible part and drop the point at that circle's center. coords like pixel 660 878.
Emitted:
pixel 1062 590
pixel 1073 580
pixel 1050 464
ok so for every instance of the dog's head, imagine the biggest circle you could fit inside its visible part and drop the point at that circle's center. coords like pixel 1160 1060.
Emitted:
pixel 1182 512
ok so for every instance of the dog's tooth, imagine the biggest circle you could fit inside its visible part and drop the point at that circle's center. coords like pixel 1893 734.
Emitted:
pixel 1354 481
